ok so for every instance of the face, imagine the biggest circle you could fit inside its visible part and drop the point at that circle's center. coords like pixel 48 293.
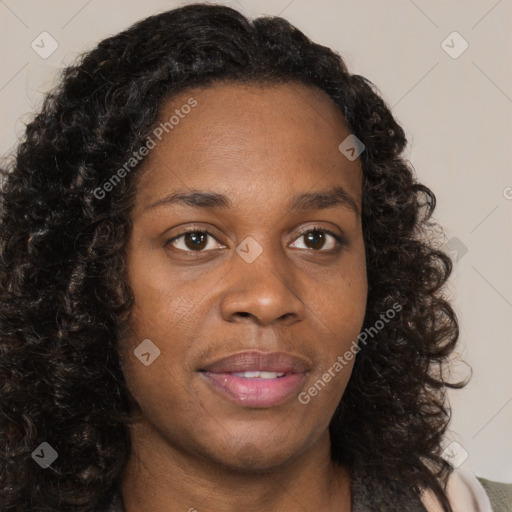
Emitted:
pixel 269 268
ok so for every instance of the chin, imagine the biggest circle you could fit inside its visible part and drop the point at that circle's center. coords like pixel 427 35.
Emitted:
pixel 253 458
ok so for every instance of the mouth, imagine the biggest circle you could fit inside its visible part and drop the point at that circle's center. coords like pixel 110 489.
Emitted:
pixel 256 379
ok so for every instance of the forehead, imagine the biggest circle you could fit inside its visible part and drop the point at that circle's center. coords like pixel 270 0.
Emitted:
pixel 275 136
pixel 235 109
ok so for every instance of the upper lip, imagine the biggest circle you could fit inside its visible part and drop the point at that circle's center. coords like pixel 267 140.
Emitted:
pixel 282 362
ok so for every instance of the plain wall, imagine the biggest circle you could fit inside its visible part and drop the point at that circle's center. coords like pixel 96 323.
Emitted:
pixel 456 113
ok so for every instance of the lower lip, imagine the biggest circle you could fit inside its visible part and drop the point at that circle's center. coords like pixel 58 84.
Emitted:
pixel 255 392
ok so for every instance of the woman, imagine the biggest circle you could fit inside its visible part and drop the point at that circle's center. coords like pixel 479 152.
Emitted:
pixel 218 286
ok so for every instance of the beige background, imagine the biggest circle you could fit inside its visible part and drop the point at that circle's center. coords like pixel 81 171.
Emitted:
pixel 455 111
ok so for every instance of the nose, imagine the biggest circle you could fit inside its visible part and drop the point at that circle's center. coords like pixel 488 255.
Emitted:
pixel 264 291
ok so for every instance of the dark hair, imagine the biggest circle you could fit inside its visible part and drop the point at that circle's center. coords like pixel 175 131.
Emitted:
pixel 62 274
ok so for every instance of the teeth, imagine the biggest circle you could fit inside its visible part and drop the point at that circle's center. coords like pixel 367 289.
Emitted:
pixel 259 375
pixel 249 375
pixel 270 375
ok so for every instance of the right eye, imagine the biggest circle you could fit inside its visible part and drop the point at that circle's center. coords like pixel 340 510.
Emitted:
pixel 192 240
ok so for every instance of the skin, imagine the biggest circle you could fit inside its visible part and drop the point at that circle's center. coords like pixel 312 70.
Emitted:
pixel 192 449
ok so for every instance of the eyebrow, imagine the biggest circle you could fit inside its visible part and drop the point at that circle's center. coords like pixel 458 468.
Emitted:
pixel 321 200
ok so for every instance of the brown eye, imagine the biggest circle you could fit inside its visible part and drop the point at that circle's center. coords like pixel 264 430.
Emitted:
pixel 317 239
pixel 192 241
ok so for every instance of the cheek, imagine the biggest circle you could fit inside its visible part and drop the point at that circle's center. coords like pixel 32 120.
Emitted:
pixel 342 299
pixel 165 402
pixel 164 300
pixel 153 351
pixel 341 307
pixel 152 364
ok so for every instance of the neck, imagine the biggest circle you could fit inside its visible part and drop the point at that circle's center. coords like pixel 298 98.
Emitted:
pixel 163 478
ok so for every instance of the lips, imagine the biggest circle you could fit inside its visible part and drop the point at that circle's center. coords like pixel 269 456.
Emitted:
pixel 256 379
pixel 281 362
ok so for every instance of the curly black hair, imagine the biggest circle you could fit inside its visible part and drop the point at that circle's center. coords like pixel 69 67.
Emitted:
pixel 64 292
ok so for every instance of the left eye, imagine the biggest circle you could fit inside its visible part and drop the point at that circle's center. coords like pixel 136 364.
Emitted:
pixel 197 240
pixel 319 237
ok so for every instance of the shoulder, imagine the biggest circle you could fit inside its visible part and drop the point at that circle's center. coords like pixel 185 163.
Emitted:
pixel 469 493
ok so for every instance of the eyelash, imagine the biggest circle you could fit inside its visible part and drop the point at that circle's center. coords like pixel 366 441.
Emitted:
pixel 339 240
